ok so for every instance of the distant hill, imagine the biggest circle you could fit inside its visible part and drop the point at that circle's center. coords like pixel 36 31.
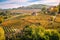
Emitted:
pixel 34 6
pixel 38 6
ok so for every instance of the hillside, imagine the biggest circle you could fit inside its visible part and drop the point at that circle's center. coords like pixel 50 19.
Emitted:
pixel 38 6
pixel 34 6
pixel 18 26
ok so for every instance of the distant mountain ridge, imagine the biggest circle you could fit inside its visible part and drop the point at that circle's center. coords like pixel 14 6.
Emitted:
pixel 34 6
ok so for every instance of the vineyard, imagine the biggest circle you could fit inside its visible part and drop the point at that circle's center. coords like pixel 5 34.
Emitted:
pixel 25 27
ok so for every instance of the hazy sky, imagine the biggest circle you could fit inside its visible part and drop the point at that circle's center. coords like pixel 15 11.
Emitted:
pixel 16 3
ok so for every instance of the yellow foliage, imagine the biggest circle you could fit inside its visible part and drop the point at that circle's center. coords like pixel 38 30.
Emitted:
pixel 2 36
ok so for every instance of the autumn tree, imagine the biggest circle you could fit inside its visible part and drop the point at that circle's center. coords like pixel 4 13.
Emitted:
pixel 2 36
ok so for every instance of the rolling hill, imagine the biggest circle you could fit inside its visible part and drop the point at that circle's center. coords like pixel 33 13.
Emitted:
pixel 34 6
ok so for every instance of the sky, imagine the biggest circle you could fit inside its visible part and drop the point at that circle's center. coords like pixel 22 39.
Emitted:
pixel 5 4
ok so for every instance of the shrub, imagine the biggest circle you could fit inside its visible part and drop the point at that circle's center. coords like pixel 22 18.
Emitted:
pixel 52 35
pixel 39 33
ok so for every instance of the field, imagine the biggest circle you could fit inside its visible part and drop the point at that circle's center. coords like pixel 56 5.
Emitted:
pixel 44 20
pixel 31 27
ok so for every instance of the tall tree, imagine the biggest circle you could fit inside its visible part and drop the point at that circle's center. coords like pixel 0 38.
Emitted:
pixel 59 8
